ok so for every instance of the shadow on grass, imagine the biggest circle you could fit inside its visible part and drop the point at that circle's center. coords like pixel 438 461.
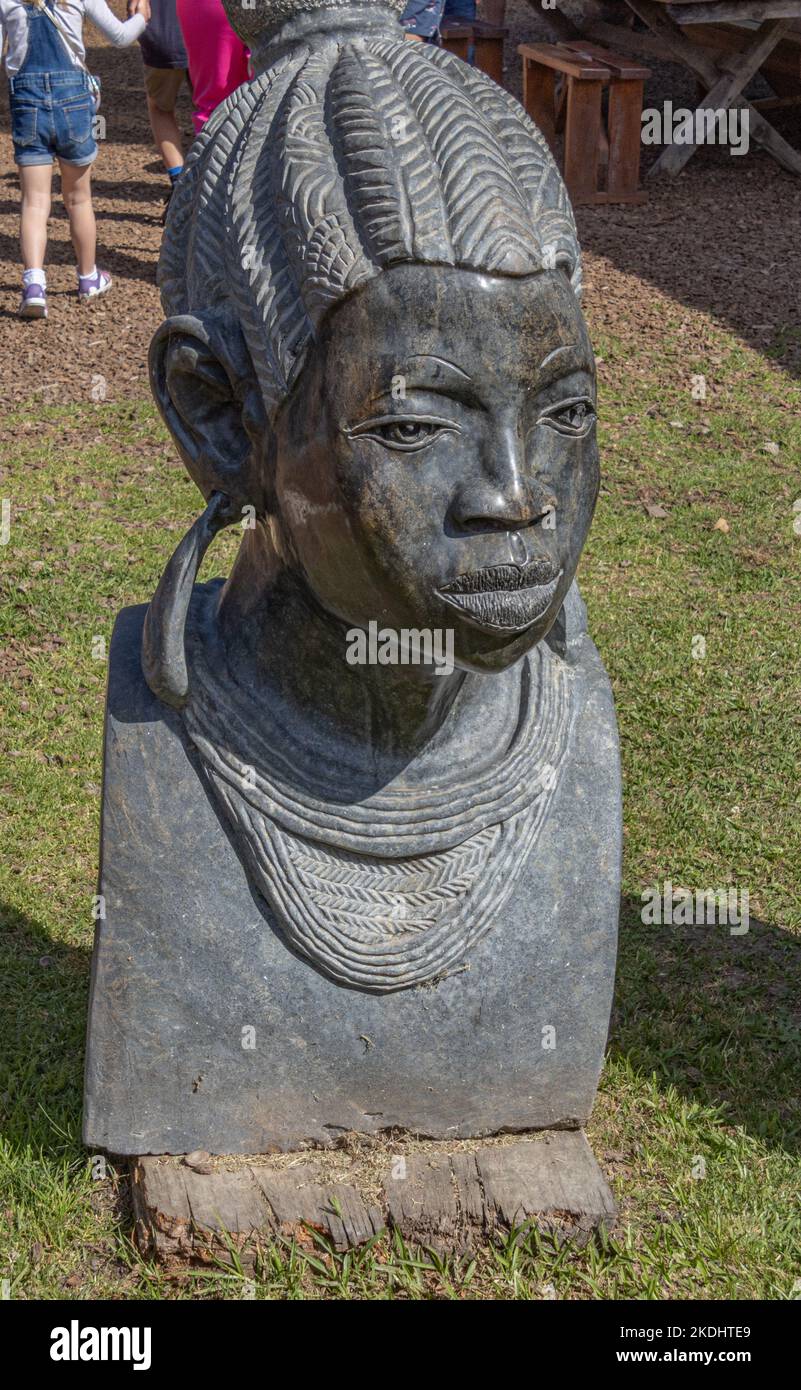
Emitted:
pixel 716 1015
pixel 42 1031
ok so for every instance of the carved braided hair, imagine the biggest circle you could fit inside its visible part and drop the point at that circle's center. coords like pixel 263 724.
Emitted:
pixel 350 152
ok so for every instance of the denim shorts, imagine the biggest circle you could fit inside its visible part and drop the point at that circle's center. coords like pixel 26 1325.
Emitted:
pixel 52 117
pixel 423 17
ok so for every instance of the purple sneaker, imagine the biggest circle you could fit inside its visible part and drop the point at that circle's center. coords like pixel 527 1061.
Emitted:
pixel 91 286
pixel 33 304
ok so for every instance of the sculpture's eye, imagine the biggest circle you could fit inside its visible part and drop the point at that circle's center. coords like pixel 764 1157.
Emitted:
pixel 407 433
pixel 574 418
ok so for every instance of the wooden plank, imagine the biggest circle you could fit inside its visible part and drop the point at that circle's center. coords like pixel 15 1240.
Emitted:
pixel 422 1204
pixel 557 1174
pixel 618 66
pixel 461 47
pixel 635 42
pixel 225 1202
pixel 729 38
pixel 554 55
pixel 298 1200
pixel 489 57
pixel 470 1192
pixel 472 28
pixel 434 1197
pixel 162 1216
pixel 765 135
pixel 681 49
pixel 722 11
pixel 705 68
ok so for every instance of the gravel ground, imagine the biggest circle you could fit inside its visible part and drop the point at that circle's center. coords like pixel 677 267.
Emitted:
pixel 721 240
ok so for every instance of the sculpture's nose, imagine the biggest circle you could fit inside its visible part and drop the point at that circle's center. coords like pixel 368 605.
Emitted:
pixel 499 496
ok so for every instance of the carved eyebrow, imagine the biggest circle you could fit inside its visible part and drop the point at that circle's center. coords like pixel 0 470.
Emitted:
pixel 425 358
pixel 571 357
pixel 426 372
pixel 557 352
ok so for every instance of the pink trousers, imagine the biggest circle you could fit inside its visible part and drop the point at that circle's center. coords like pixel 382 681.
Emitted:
pixel 218 60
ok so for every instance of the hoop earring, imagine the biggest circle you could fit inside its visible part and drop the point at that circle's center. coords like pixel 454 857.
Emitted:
pixel 163 650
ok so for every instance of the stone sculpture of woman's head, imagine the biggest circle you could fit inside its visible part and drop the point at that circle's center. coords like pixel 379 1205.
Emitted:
pixel 374 338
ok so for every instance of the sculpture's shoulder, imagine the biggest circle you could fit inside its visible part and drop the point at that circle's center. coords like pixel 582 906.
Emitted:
pixel 128 694
pixel 140 729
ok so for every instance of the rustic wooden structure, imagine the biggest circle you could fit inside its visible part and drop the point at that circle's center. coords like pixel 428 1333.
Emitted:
pixel 723 43
pixel 477 42
pixel 449 1199
pixel 586 70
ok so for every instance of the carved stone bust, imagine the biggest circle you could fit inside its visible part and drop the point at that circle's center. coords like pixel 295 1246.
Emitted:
pixel 362 893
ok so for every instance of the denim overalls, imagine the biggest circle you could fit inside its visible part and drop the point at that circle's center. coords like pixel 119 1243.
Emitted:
pixel 423 17
pixel 52 106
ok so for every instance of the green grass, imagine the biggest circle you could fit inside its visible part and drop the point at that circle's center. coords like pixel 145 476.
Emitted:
pixel 697 1118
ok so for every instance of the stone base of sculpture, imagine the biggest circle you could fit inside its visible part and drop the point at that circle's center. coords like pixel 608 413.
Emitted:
pixel 208 1031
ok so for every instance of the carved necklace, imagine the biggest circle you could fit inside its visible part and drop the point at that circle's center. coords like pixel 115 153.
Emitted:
pixel 389 891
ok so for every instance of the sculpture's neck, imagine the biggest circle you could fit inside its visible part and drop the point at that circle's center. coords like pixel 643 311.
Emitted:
pixel 283 649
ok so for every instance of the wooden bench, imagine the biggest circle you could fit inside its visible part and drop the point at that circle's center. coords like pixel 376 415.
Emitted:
pixel 478 43
pixel 586 70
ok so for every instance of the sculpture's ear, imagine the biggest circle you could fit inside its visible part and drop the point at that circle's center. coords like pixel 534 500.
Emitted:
pixel 203 381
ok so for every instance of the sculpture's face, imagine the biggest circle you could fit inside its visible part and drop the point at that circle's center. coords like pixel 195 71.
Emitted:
pixel 437 464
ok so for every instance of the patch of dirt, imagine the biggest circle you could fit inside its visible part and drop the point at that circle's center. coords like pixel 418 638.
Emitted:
pixel 97 351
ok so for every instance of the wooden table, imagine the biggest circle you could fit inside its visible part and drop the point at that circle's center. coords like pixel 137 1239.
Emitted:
pixel 723 75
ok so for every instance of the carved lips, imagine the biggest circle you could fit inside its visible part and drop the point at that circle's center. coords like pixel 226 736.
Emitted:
pixel 505 597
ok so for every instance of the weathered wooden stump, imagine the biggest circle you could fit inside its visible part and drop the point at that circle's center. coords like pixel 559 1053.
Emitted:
pixel 448 1196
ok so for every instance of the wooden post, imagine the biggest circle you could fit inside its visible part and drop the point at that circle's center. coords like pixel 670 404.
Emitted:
pixel 489 57
pixel 625 137
pixel 538 97
pixel 459 46
pixel 582 139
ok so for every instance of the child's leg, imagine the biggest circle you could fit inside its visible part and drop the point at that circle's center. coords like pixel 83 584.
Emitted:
pixel 35 180
pixel 163 86
pixel 76 190
pixel 218 59
pixel 166 135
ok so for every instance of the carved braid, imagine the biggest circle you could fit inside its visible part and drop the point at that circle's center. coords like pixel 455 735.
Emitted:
pixel 490 224
pixel 318 230
pixel 390 173
pixel 267 294
pixel 529 157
